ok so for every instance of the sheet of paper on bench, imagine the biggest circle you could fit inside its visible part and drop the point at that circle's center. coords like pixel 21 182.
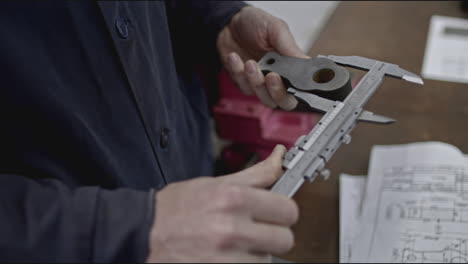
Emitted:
pixel 446 54
pixel 351 194
pixel 415 207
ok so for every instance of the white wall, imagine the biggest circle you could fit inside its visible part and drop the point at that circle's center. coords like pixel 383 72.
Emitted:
pixel 305 18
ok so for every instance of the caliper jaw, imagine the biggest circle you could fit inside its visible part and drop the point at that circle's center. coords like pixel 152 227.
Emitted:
pixel 363 63
pixel 324 105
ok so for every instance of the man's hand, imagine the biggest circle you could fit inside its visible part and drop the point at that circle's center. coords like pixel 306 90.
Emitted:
pixel 231 218
pixel 250 34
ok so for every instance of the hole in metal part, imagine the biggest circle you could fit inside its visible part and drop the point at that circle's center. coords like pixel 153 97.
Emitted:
pixel 323 75
pixel 270 61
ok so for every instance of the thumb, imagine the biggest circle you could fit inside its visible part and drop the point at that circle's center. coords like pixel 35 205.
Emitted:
pixel 262 174
pixel 282 40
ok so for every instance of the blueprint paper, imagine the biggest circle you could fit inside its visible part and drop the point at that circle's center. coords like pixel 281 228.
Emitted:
pixel 415 208
pixel 446 54
pixel 351 194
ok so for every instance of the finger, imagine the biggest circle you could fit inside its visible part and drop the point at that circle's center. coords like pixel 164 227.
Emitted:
pixel 262 257
pixel 278 92
pixel 241 256
pixel 265 206
pixel 268 171
pixel 266 238
pixel 235 68
pixel 283 41
pixel 261 175
pixel 256 81
pixel 227 44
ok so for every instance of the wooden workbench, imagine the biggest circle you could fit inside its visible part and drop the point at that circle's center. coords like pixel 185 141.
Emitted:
pixel 395 32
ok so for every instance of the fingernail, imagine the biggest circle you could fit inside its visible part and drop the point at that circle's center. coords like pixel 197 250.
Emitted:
pixel 250 68
pixel 292 103
pixel 278 146
pixel 231 58
pixel 275 80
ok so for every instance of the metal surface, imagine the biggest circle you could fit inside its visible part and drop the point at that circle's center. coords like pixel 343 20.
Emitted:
pixel 307 159
pixel 320 76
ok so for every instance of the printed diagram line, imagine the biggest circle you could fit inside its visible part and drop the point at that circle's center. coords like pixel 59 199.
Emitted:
pixel 423 248
pixel 429 213
pixel 442 179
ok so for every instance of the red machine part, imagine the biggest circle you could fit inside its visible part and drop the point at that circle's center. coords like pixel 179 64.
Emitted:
pixel 253 127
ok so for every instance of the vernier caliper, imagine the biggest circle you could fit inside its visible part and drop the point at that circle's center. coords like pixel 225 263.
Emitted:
pixel 307 158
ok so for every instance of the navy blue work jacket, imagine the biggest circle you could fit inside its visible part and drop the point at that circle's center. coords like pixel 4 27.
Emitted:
pixel 99 105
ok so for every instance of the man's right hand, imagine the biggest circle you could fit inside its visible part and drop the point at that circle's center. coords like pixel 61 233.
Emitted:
pixel 232 218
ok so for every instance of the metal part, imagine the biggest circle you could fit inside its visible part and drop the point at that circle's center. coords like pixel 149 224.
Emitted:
pixel 319 76
pixel 346 139
pixel 373 118
pixel 306 160
pixel 325 173
pixel 324 105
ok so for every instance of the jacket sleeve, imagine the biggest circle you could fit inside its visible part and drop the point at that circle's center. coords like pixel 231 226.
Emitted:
pixel 194 27
pixel 43 220
pixel 201 18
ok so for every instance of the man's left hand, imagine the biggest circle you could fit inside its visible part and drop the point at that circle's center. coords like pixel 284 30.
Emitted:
pixel 250 34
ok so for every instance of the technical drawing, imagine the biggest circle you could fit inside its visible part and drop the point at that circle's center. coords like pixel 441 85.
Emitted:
pixel 423 248
pixel 456 213
pixel 416 206
pixel 441 179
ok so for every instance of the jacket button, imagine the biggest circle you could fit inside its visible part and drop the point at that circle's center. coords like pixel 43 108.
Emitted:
pixel 121 24
pixel 164 138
